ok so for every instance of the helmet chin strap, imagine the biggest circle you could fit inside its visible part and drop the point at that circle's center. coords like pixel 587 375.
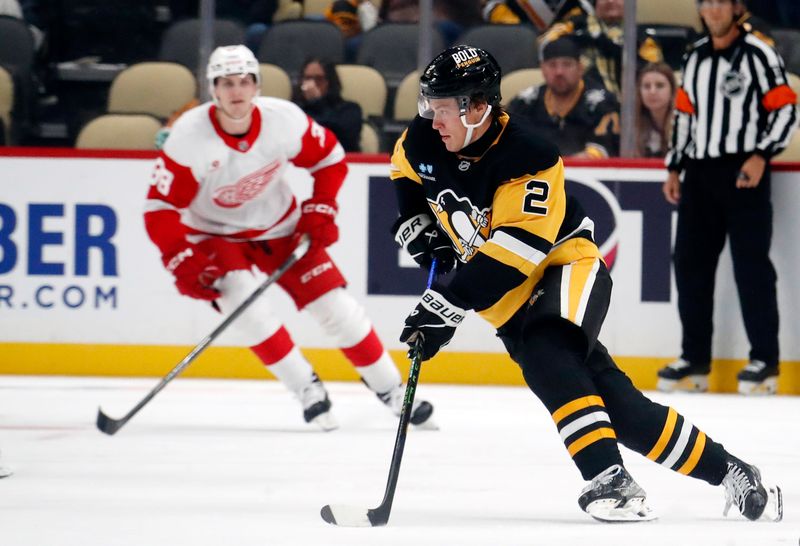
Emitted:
pixel 471 127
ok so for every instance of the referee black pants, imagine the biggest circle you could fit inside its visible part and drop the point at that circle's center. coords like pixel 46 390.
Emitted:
pixel 712 208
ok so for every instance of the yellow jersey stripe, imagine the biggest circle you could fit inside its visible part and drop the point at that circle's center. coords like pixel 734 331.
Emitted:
pixel 666 434
pixel 590 438
pixel 578 404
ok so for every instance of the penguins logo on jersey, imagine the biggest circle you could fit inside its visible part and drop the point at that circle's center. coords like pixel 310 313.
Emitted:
pixel 467 227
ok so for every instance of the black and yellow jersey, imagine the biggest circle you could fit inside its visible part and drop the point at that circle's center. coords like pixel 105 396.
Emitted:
pixel 502 202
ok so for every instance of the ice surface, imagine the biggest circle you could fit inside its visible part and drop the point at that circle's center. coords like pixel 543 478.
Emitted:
pixel 232 463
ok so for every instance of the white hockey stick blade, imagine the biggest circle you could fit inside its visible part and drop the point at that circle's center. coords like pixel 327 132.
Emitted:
pixel 346 516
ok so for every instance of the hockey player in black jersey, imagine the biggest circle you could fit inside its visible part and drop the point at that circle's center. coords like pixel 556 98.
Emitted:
pixel 476 189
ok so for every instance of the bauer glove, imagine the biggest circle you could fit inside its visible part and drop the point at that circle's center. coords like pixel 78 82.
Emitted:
pixel 317 220
pixel 433 320
pixel 424 241
pixel 194 272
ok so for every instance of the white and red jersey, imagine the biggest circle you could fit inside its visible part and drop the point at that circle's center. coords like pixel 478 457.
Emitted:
pixel 207 182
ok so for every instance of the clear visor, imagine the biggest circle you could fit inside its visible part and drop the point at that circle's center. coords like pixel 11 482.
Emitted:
pixel 443 109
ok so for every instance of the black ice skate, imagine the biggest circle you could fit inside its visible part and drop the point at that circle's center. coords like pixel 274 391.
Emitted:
pixel 613 496
pixel 758 378
pixel 421 411
pixel 317 405
pixel 683 376
pixel 743 487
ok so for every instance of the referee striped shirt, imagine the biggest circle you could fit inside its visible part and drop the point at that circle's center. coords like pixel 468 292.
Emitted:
pixel 731 101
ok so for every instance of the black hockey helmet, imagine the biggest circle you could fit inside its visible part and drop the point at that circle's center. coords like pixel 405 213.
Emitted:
pixel 462 71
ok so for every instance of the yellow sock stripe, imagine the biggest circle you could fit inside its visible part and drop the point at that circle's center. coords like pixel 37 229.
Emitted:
pixel 666 434
pixel 571 407
pixel 590 438
pixel 694 457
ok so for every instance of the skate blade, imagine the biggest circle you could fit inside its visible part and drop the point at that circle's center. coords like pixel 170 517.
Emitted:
pixel 325 422
pixel 774 509
pixel 690 383
pixel 764 388
pixel 608 511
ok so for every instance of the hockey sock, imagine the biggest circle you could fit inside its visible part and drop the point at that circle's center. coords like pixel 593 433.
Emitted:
pixel 284 360
pixel 554 369
pixel 659 432
pixel 344 319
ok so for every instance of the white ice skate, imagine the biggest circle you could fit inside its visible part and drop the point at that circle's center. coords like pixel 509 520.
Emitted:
pixel 317 405
pixel 421 410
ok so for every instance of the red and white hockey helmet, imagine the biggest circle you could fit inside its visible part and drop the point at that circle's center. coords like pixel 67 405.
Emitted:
pixel 230 61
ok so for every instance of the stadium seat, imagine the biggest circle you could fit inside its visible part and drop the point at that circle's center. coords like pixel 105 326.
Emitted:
pixel 787 42
pixel 514 46
pixel 315 9
pixel 370 142
pixel 158 89
pixel 275 82
pixel 519 80
pixel 287 10
pixel 6 102
pixel 289 43
pixel 364 85
pixel 678 13
pixel 391 49
pixel 119 132
pixel 405 100
pixel 180 42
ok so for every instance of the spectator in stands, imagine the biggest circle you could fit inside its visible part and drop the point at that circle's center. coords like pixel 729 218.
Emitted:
pixel 319 94
pixel 655 99
pixel 580 117
pixel 539 14
pixel 355 17
pixel 599 34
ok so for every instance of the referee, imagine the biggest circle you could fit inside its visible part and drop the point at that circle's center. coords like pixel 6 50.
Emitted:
pixel 734 111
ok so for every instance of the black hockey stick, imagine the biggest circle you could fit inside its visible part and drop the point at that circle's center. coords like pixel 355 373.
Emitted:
pixel 352 516
pixel 110 425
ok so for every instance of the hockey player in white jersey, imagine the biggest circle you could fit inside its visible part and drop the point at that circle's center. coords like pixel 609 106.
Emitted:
pixel 219 205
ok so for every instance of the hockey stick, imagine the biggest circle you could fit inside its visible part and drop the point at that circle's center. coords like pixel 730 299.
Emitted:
pixel 352 516
pixel 110 425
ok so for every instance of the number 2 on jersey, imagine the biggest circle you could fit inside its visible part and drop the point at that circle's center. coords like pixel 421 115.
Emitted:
pixel 537 192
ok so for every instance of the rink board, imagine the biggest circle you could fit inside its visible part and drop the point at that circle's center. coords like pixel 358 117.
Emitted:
pixel 83 291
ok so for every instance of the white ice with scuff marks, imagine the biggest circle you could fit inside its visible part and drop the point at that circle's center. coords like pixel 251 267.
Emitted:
pixel 220 463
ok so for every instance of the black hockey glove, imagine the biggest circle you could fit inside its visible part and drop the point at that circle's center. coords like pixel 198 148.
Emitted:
pixel 420 237
pixel 434 321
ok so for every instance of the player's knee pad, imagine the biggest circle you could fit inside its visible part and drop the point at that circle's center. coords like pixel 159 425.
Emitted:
pixel 341 316
pixel 258 322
